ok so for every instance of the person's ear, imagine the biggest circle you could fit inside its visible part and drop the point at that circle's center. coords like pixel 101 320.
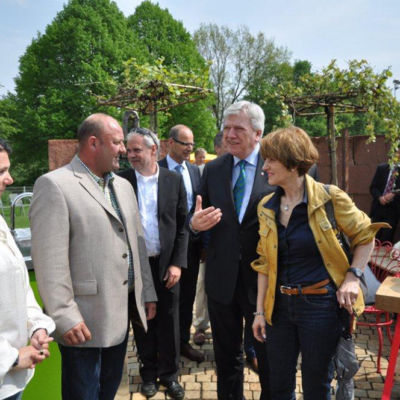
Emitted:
pixel 92 141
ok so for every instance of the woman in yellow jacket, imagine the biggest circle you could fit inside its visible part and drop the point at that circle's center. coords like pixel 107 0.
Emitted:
pixel 304 277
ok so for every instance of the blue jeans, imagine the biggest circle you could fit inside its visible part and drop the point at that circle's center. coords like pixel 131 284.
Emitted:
pixel 16 396
pixel 92 373
pixel 306 324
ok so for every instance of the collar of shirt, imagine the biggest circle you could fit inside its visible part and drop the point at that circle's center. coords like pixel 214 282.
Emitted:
pixel 102 182
pixel 149 178
pixel 275 201
pixel 172 163
pixel 252 158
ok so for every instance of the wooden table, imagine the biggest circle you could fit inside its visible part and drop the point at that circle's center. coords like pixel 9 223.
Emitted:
pixel 388 299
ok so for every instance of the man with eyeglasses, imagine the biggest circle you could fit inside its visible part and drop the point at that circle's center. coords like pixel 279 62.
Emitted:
pixel 181 145
pixel 161 197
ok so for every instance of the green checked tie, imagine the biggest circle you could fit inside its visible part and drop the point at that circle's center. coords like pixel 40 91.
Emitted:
pixel 238 190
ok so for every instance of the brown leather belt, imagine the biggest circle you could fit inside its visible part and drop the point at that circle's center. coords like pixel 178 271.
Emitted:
pixel 316 288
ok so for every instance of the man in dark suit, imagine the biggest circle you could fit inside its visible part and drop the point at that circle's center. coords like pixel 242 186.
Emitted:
pixel 161 197
pixel 385 200
pixel 232 186
pixel 180 146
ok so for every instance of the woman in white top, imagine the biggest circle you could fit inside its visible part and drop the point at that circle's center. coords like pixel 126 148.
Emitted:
pixel 21 319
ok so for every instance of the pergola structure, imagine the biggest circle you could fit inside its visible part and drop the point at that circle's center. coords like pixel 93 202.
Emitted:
pixel 327 104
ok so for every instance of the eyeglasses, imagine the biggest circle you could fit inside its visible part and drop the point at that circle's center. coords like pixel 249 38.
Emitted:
pixel 148 133
pixel 188 144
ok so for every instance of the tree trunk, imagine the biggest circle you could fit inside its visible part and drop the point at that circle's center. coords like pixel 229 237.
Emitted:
pixel 330 112
pixel 345 160
pixel 154 120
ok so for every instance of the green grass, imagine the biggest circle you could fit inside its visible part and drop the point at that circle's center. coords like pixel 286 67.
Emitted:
pixel 46 383
pixel 21 216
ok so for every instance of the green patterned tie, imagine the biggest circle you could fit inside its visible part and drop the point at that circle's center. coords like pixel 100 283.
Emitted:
pixel 238 190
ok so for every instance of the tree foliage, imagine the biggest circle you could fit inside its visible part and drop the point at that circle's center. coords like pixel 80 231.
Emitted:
pixel 81 53
pixel 153 88
pixel 8 125
pixel 163 37
pixel 239 62
pixel 357 89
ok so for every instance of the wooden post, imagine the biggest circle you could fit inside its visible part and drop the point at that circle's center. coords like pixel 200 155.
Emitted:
pixel 345 160
pixel 330 113
pixel 154 119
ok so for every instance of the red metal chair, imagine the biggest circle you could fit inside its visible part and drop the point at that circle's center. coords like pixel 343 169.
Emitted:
pixel 385 260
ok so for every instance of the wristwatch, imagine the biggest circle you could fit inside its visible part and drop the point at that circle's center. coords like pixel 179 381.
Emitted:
pixel 356 272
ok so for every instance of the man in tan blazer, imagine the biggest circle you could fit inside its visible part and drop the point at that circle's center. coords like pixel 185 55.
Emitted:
pixel 88 250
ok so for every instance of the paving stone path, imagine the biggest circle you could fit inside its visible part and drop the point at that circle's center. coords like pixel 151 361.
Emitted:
pixel 200 380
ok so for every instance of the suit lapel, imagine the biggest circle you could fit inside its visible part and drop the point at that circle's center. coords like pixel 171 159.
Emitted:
pixel 260 185
pixel 162 189
pixel 134 182
pixel 226 171
pixel 91 186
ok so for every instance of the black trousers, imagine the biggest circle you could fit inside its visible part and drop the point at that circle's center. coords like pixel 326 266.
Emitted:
pixel 158 348
pixel 188 289
pixel 227 331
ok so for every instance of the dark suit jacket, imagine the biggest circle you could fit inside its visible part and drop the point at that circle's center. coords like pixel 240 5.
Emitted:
pixel 194 173
pixel 377 188
pixel 232 246
pixel 172 212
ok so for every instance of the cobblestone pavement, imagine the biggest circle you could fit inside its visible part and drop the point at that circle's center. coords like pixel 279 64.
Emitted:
pixel 200 380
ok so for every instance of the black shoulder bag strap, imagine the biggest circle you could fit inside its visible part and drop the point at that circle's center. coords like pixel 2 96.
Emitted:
pixel 341 237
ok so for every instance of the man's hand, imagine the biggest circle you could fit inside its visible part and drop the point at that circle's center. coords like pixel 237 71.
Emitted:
pixel 172 276
pixel 203 220
pixel 40 339
pixel 77 335
pixel 150 310
pixel 386 198
pixel 28 357
pixel 348 291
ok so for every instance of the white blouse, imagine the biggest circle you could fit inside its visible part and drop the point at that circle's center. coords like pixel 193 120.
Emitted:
pixel 20 315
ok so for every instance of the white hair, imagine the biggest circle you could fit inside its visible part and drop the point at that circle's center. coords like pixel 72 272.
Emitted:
pixel 252 110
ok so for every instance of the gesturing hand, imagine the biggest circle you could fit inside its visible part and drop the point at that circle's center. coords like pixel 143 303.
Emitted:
pixel 203 220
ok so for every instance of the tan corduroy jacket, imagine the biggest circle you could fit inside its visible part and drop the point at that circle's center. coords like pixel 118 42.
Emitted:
pixel 352 221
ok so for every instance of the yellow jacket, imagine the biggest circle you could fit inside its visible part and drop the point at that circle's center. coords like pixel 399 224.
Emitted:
pixel 352 221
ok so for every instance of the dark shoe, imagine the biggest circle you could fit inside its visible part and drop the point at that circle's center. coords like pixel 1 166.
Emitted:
pixel 252 363
pixel 189 352
pixel 199 337
pixel 149 389
pixel 174 390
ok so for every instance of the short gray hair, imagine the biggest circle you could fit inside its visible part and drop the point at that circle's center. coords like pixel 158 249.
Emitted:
pixel 149 137
pixel 252 110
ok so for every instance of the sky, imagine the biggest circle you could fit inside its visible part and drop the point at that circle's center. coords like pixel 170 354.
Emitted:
pixel 313 30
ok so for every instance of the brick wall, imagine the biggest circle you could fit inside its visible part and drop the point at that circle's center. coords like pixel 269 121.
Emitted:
pixel 362 161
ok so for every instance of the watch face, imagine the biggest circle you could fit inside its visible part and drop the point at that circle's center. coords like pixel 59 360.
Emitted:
pixel 356 271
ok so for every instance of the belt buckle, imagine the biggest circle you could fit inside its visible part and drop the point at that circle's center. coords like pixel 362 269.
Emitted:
pixel 283 287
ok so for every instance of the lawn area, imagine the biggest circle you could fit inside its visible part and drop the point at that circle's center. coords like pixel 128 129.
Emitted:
pixel 46 384
pixel 21 216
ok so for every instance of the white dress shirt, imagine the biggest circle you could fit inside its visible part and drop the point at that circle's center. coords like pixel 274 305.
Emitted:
pixel 250 169
pixel 148 207
pixel 186 179
pixel 20 315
